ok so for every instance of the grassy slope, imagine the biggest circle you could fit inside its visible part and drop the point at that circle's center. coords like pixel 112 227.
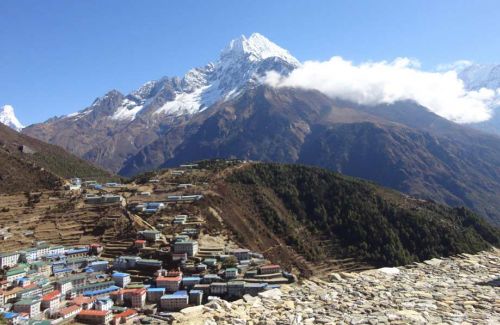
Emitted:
pixel 41 169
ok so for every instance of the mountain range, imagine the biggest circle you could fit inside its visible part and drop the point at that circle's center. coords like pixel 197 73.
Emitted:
pixel 224 109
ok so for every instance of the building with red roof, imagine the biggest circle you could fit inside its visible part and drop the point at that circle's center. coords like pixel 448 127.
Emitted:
pixel 84 302
pixel 270 269
pixel 69 312
pixel 170 283
pixel 93 316
pixel 51 301
pixel 140 243
pixel 125 316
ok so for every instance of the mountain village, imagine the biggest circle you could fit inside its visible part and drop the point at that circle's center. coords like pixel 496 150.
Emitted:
pixel 169 265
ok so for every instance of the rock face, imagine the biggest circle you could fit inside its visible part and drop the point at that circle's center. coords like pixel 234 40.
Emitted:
pixel 458 290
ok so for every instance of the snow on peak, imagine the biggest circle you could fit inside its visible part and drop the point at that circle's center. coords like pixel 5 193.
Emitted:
pixel 8 117
pixel 241 63
pixel 257 48
pixel 476 76
pixel 244 62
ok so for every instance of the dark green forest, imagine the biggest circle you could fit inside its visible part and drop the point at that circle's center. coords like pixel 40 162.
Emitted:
pixel 378 225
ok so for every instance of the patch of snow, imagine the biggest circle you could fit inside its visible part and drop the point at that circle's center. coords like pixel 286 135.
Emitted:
pixel 257 48
pixel 8 118
pixel 184 103
pixel 127 111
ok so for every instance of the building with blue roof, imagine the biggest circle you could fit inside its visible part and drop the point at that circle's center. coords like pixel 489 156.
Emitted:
pixel 175 301
pixel 100 292
pixel 99 266
pixel 121 279
pixel 155 294
pixel 190 281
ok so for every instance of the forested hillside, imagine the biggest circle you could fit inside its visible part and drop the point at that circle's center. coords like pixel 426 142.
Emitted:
pixel 375 224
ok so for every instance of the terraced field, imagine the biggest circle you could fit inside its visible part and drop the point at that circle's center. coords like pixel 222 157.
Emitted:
pixel 55 217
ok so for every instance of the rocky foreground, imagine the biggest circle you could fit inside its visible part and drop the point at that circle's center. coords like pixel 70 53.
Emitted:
pixel 458 290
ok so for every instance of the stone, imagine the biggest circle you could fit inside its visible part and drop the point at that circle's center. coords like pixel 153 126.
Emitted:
pixel 335 277
pixel 274 294
pixel 440 291
pixel 288 304
pixel 192 310
pixel 389 270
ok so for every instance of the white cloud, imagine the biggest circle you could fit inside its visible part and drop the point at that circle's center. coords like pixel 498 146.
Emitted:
pixel 386 82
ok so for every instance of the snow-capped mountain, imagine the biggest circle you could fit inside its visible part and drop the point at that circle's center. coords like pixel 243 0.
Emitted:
pixel 8 117
pixel 241 64
pixel 477 76
pixel 116 126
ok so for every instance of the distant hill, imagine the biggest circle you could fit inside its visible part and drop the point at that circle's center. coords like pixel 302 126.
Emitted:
pixel 30 164
pixel 324 215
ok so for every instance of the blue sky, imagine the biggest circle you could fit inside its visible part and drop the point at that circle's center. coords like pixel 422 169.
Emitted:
pixel 56 57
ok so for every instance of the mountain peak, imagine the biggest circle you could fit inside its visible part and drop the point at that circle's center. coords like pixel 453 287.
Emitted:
pixel 257 48
pixel 8 117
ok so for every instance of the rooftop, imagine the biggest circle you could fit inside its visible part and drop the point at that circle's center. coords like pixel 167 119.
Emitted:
pixel 69 310
pixel 80 300
pixel 120 275
pixel 126 313
pixel 12 272
pixel 51 295
pixel 27 302
pixel 177 294
pixel 93 312
pixel 169 278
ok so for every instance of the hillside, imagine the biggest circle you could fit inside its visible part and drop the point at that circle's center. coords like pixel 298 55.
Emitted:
pixel 324 215
pixel 316 221
pixel 415 152
pixel 29 164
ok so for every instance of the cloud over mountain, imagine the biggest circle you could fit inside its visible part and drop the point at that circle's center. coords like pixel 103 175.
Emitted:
pixel 387 82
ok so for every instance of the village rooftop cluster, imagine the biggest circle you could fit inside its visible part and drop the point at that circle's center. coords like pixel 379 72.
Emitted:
pixel 164 269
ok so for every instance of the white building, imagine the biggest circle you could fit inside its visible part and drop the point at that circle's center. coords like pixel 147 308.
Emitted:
pixel 51 301
pixel 150 235
pixel 29 306
pixel 175 301
pixel 121 279
pixel 8 259
pixel 64 286
pixel 104 304
pixel 190 247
